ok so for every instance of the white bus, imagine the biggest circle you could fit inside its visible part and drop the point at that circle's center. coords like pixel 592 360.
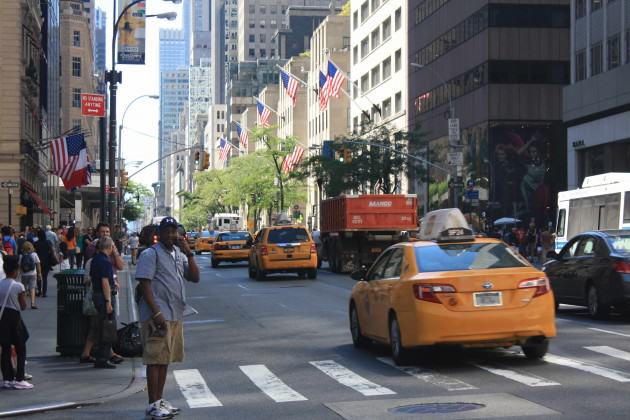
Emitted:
pixel 603 202
pixel 225 221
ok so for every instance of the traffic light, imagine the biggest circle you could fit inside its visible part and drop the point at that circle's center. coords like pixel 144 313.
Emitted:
pixel 197 158
pixel 124 179
pixel 206 160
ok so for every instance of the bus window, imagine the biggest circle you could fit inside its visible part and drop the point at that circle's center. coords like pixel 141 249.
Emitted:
pixel 562 216
pixel 626 207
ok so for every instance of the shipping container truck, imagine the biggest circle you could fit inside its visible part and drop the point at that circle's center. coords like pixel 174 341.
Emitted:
pixel 356 229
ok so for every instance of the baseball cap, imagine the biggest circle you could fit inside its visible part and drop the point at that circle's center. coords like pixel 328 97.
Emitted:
pixel 168 221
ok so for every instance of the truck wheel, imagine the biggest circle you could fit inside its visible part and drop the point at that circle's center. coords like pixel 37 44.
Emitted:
pixel 312 273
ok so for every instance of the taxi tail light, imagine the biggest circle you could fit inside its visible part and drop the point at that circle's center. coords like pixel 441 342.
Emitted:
pixel 540 283
pixel 622 267
pixel 313 249
pixel 155 239
pixel 264 250
pixel 430 292
pixel 220 246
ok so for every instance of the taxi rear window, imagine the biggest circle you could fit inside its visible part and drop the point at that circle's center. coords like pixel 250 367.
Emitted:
pixel 454 257
pixel 286 235
pixel 234 236
pixel 206 234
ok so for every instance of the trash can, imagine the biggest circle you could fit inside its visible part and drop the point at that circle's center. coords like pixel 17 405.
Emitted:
pixel 71 324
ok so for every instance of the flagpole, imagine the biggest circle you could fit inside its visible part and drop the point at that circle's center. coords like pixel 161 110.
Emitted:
pixel 267 106
pixel 294 76
pixel 247 129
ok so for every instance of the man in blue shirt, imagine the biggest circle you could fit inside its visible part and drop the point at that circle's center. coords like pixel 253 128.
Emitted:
pixel 161 272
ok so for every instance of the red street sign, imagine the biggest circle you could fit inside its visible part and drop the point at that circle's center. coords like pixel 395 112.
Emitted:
pixel 92 105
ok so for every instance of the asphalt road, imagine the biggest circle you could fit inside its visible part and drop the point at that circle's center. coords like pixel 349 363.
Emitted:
pixel 281 349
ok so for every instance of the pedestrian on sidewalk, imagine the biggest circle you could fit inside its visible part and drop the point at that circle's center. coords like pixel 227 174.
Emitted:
pixel 81 235
pixel 71 242
pixel 30 271
pixel 161 272
pixel 9 246
pixel 47 258
pixel 134 242
pixel 13 332
pixel 102 277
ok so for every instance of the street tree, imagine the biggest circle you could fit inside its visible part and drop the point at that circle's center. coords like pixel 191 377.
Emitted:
pixel 133 204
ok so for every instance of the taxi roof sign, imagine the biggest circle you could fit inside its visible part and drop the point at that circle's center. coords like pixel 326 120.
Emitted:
pixel 445 225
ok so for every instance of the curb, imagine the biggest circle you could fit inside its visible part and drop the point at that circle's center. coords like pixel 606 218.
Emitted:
pixel 133 387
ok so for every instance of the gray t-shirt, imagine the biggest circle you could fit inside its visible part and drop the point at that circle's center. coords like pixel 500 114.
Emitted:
pixel 14 288
pixel 167 272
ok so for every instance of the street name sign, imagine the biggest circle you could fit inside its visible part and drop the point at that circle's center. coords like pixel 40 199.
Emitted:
pixel 92 105
pixel 9 184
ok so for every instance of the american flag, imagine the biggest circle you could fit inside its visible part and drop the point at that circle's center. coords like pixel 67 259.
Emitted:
pixel 290 84
pixel 336 78
pixel 243 136
pixel 323 91
pixel 292 160
pixel 224 149
pixel 263 114
pixel 70 160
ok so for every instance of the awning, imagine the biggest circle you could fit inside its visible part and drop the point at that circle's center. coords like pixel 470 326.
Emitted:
pixel 38 200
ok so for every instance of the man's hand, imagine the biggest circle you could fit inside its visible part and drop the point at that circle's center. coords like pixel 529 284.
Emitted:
pixel 160 320
pixel 183 245
pixel 108 308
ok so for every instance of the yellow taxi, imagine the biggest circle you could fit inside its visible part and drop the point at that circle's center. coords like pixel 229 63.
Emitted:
pixel 205 240
pixel 283 249
pixel 451 288
pixel 232 247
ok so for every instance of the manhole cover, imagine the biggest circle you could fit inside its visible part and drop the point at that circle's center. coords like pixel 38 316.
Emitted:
pixel 435 408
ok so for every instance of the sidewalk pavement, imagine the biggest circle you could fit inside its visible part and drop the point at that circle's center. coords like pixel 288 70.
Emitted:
pixel 62 382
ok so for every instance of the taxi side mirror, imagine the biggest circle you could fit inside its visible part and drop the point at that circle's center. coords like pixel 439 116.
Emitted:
pixel 359 274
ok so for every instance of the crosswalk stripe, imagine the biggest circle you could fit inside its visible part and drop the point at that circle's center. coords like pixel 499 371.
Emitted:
pixel 609 332
pixel 350 379
pixel 610 351
pixel 194 389
pixel 613 374
pixel 270 384
pixel 529 380
pixel 430 376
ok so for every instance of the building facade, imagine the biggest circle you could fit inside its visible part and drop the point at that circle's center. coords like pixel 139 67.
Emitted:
pixel 597 103
pixel 502 65
pixel 294 33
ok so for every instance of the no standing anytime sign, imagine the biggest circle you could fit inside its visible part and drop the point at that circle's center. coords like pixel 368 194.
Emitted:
pixel 92 105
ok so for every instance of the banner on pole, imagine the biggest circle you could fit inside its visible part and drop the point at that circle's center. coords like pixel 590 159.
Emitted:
pixel 131 33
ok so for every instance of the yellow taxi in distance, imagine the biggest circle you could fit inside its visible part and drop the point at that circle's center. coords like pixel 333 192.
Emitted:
pixel 232 247
pixel 205 240
pixel 452 288
pixel 283 249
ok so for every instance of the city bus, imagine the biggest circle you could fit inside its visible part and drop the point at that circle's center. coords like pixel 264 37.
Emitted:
pixel 603 202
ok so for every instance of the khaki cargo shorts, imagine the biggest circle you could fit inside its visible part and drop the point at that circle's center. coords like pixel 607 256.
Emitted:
pixel 163 350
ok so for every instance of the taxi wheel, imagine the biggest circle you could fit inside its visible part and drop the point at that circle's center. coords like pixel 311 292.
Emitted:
pixel 312 273
pixel 301 274
pixel 260 274
pixel 214 263
pixel 251 272
pixel 358 340
pixel 535 348
pixel 399 353
pixel 596 308
pixel 198 252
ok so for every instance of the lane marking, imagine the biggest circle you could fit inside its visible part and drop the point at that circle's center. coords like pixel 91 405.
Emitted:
pixel 610 351
pixel 610 332
pixel 270 384
pixel 429 376
pixel 194 389
pixel 615 375
pixel 529 380
pixel 203 321
pixel 350 379
pixel 243 287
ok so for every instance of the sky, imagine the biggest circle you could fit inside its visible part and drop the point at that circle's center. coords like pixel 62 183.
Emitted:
pixel 144 115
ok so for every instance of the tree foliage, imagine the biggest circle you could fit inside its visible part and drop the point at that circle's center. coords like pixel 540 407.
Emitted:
pixel 133 207
pixel 372 163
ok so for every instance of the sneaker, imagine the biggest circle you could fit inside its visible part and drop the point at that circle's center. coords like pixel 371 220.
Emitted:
pixel 22 385
pixel 155 411
pixel 8 384
pixel 170 407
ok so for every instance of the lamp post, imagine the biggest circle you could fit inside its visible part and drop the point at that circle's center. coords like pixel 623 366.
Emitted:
pixel 113 78
pixel 120 128
pixel 453 144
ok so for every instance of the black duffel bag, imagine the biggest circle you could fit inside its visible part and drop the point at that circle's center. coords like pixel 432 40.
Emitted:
pixel 129 341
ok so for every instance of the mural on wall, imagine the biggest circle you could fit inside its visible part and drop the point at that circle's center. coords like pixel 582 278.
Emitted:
pixel 528 169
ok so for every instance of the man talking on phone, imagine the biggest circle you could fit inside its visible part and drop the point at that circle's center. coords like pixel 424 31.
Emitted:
pixel 161 272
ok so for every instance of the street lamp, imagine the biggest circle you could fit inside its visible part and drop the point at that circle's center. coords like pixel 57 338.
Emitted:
pixel 114 77
pixel 120 128
pixel 451 115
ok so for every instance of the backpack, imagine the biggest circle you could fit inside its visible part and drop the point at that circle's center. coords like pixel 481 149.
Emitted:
pixel 26 263
pixel 7 247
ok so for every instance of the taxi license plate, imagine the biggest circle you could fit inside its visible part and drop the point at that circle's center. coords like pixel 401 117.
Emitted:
pixel 488 299
pixel 235 247
pixel 288 250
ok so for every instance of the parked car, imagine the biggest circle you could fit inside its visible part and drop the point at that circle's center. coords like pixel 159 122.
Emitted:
pixel 593 270
pixel 451 288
